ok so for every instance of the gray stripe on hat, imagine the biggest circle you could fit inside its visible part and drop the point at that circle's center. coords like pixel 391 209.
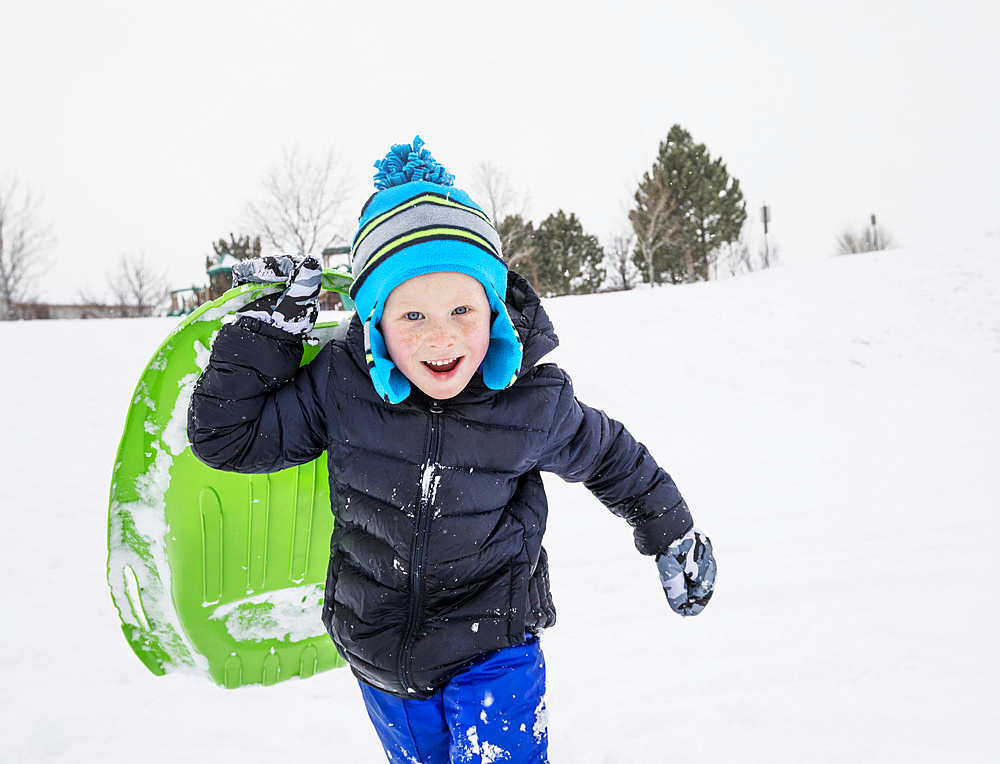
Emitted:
pixel 424 215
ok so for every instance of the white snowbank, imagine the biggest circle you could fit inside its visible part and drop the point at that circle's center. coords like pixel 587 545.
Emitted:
pixel 834 427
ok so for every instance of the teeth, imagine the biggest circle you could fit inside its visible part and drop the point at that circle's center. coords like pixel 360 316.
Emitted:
pixel 441 363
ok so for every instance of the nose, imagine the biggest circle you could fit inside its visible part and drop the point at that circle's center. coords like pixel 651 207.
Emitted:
pixel 441 334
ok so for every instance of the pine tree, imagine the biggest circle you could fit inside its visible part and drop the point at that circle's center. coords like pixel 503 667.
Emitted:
pixel 242 248
pixel 708 211
pixel 568 260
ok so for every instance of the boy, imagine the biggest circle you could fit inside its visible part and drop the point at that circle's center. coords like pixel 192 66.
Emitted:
pixel 437 419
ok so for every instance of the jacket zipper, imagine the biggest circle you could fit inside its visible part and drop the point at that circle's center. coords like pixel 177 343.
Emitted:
pixel 419 547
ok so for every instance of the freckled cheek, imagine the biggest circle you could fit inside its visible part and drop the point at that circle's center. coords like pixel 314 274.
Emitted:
pixel 476 337
pixel 403 345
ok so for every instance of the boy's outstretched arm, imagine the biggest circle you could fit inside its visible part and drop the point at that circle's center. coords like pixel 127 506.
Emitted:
pixel 586 445
pixel 254 410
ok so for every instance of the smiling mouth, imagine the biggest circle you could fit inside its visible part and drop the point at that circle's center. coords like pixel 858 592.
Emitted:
pixel 443 366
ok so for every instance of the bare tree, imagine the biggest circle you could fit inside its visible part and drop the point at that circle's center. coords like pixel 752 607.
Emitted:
pixel 851 242
pixel 738 256
pixel 493 186
pixel 298 211
pixel 24 239
pixel 654 222
pixel 621 268
pixel 137 288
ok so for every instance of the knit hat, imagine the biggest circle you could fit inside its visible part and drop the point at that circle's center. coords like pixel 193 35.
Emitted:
pixel 418 223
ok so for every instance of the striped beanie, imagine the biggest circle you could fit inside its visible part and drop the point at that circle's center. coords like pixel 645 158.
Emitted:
pixel 418 223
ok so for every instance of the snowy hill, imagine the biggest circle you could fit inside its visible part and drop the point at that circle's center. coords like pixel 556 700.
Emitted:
pixel 834 427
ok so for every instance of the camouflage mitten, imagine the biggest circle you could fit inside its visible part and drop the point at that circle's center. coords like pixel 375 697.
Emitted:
pixel 295 309
pixel 687 573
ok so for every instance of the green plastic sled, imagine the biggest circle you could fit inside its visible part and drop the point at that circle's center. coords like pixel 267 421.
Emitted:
pixel 214 572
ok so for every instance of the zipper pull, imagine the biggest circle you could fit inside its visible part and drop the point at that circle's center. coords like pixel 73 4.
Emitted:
pixel 436 408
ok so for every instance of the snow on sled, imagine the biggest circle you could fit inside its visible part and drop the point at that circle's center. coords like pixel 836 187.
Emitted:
pixel 214 572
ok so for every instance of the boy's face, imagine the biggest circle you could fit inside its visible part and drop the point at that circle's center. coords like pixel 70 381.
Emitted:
pixel 437 331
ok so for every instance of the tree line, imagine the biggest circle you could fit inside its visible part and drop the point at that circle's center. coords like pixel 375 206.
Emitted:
pixel 687 214
pixel 687 208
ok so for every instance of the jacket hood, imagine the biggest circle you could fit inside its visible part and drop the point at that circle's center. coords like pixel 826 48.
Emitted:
pixel 531 322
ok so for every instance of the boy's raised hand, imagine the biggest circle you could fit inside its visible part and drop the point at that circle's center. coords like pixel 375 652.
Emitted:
pixel 687 573
pixel 296 308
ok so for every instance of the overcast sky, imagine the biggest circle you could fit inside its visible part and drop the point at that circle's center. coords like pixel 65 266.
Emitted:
pixel 146 126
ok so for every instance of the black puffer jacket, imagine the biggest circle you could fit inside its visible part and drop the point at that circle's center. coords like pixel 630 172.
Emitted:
pixel 437 547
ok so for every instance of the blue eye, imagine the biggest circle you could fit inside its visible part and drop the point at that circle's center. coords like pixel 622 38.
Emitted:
pixel 414 316
pixel 461 311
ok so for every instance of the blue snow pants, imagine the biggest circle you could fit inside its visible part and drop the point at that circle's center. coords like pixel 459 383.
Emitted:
pixel 491 711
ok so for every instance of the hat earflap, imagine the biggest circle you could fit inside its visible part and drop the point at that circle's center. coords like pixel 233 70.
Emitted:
pixel 503 358
pixel 390 383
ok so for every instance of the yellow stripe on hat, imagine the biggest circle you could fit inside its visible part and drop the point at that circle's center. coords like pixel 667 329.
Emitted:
pixel 427 234
pixel 429 198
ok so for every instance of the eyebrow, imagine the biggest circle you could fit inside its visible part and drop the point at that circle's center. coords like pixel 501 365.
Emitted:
pixel 463 300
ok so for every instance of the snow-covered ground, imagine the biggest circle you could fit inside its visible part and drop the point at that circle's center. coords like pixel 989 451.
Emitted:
pixel 835 428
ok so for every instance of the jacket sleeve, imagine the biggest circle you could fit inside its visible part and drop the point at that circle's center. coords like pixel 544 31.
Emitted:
pixel 585 445
pixel 254 409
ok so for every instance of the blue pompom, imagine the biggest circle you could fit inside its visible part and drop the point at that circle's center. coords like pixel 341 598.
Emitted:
pixel 406 163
